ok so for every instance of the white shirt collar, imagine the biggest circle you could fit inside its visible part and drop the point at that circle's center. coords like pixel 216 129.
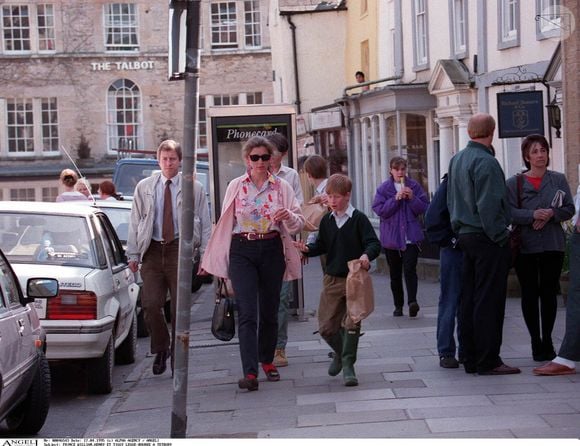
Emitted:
pixel 349 211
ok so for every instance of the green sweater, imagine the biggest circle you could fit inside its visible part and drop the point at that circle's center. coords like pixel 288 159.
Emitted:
pixel 477 195
pixel 355 238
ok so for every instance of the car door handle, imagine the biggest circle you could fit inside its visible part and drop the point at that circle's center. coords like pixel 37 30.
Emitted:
pixel 20 326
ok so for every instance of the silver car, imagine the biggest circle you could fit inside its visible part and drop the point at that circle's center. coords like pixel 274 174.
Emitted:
pixel 24 371
pixel 94 316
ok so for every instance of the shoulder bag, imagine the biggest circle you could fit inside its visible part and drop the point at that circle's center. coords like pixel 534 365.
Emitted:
pixel 223 325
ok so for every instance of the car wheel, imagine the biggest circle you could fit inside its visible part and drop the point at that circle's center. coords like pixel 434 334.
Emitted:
pixel 101 370
pixel 29 416
pixel 126 352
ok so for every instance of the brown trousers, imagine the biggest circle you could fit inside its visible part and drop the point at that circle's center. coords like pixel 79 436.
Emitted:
pixel 332 307
pixel 159 273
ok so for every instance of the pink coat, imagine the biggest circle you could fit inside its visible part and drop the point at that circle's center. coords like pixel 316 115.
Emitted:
pixel 217 254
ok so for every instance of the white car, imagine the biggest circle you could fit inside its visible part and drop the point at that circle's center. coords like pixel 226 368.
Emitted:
pixel 94 316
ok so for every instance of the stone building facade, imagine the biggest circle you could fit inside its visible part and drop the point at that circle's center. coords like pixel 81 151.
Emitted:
pixel 97 70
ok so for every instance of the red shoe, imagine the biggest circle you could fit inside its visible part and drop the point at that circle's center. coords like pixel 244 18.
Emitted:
pixel 553 369
pixel 271 372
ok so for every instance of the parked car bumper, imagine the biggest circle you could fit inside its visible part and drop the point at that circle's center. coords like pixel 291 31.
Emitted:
pixel 77 339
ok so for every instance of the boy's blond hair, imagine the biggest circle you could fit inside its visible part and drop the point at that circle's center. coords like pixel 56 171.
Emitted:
pixel 338 184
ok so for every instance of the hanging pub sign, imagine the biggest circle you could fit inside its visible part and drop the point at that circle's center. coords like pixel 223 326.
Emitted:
pixel 520 113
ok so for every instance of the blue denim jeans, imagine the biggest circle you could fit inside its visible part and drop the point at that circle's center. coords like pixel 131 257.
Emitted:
pixel 256 271
pixel 450 272
pixel 285 299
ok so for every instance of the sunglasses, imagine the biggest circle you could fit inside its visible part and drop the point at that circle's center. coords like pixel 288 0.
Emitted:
pixel 265 157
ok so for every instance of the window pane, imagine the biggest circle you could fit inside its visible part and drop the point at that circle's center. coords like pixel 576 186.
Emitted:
pixel 420 32
pixel 121 27
pixel 49 193
pixel 252 24
pixel 22 194
pixel 20 125
pixel 202 121
pixel 224 25
pixel 49 124
pixel 45 17
pixel 124 116
pixel 16 28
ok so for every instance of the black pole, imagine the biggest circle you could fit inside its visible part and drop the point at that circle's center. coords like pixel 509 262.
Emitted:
pixel 184 275
pixel 295 58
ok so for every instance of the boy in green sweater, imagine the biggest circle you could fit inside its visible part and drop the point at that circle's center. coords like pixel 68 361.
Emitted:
pixel 344 234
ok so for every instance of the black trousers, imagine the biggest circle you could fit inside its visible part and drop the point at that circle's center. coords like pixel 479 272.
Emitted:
pixel 482 308
pixel 539 277
pixel 256 271
pixel 403 262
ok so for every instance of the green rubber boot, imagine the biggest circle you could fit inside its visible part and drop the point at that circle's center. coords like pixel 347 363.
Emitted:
pixel 335 342
pixel 349 349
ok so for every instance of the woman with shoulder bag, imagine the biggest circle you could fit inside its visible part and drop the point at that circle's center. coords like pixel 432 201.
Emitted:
pixel 545 202
pixel 252 246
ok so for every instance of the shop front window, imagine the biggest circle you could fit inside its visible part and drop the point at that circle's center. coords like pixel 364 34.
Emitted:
pixel 416 149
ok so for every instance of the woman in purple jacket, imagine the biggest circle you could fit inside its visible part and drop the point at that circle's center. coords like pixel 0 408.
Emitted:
pixel 398 202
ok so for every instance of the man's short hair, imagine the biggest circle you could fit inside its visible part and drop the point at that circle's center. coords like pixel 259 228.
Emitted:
pixel 316 167
pixel 338 183
pixel 279 141
pixel 481 125
pixel 169 145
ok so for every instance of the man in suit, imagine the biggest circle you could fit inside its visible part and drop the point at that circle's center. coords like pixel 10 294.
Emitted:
pixel 153 241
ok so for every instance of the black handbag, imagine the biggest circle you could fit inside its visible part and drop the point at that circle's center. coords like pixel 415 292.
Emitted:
pixel 223 325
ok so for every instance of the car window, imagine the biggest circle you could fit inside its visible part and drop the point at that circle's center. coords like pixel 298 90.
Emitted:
pixel 119 218
pixel 8 284
pixel 100 251
pixel 113 248
pixel 47 239
pixel 129 175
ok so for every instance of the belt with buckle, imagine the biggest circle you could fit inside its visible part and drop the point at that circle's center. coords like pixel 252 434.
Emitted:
pixel 258 235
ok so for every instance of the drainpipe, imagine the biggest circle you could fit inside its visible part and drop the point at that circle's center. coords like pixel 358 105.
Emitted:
pixel 295 56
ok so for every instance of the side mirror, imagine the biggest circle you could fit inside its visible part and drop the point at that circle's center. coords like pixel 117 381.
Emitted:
pixel 41 288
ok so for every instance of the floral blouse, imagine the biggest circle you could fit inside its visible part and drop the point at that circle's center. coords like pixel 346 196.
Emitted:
pixel 254 208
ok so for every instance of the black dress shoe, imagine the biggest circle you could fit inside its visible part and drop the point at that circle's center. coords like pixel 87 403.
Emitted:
pixel 501 370
pixel 249 382
pixel 413 309
pixel 398 312
pixel 159 364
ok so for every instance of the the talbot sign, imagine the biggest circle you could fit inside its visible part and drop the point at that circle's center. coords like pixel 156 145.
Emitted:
pixel 520 113
pixel 123 65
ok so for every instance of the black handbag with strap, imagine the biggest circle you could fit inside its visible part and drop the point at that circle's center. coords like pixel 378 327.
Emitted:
pixel 223 325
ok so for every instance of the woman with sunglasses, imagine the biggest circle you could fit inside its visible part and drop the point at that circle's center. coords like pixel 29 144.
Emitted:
pixel 260 212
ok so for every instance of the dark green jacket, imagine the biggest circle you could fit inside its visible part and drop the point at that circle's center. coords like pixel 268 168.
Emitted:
pixel 476 194
pixel 355 238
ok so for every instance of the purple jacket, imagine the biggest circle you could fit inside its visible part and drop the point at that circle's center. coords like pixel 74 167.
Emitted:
pixel 399 221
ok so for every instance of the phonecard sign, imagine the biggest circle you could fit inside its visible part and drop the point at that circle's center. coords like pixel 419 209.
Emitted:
pixel 231 127
pixel 520 113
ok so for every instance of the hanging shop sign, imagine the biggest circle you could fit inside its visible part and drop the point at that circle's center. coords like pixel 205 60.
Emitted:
pixel 520 113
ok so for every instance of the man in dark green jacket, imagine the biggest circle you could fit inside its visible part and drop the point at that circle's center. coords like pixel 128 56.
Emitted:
pixel 477 202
